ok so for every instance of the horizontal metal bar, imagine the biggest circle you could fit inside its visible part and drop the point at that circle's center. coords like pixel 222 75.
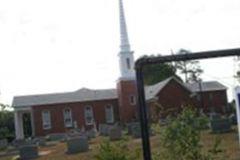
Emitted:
pixel 190 56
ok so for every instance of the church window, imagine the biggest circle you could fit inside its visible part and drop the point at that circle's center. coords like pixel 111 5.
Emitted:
pixel 46 119
pixel 67 115
pixel 88 112
pixel 128 63
pixel 109 114
pixel 132 100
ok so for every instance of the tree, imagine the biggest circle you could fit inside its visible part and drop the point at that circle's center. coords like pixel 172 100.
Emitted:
pixel 6 123
pixel 191 69
pixel 158 72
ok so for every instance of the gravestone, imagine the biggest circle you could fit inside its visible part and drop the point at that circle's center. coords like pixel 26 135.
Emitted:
pixel 22 142
pixel 75 133
pixel 129 128
pixel 28 152
pixel 162 121
pixel 214 116
pixel 104 129
pixel 77 144
pixel 221 125
pixel 233 118
pixel 115 133
pixel 40 141
pixel 3 144
pixel 57 137
pixel 136 130
pixel 91 133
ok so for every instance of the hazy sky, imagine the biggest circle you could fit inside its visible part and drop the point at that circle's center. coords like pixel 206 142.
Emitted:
pixel 62 45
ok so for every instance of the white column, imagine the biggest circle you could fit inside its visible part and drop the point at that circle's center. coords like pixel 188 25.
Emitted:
pixel 18 122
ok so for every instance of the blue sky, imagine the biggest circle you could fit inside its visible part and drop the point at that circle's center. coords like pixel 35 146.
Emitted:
pixel 62 45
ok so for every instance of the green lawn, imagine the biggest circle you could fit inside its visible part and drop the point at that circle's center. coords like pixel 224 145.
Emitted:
pixel 229 144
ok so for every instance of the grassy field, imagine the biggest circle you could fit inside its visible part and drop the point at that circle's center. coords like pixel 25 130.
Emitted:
pixel 229 145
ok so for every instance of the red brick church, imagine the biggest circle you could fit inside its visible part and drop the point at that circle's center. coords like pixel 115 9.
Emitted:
pixel 60 112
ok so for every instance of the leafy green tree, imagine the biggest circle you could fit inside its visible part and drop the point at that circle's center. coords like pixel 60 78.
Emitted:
pixel 6 123
pixel 158 72
pixel 191 69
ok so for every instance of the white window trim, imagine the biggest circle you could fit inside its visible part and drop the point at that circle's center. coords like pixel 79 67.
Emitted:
pixel 86 122
pixel 134 102
pixel 44 121
pixel 112 113
pixel 64 118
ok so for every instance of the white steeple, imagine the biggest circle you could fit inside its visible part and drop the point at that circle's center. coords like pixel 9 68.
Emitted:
pixel 126 59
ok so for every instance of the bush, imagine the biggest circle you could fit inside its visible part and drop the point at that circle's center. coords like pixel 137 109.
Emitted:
pixel 116 151
pixel 180 139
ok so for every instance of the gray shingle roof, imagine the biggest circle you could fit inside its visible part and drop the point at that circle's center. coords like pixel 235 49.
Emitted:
pixel 80 95
pixel 206 86
pixel 153 90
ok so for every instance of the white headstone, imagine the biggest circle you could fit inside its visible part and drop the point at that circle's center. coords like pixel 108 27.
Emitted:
pixel 83 129
pixel 75 124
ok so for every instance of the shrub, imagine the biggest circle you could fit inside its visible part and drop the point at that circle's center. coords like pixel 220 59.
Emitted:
pixel 116 151
pixel 180 139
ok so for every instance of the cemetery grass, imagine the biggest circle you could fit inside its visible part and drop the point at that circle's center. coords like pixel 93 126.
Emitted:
pixel 229 145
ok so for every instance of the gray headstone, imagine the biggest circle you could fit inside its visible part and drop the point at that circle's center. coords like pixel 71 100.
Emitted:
pixel 22 142
pixel 129 128
pixel 28 152
pixel 40 141
pixel 3 143
pixel 215 116
pixel 77 144
pixel 75 133
pixel 136 130
pixel 57 136
pixel 115 133
pixel 91 133
pixel 220 125
pixel 104 129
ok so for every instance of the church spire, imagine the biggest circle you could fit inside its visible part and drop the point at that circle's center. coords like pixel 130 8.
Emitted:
pixel 125 46
pixel 126 59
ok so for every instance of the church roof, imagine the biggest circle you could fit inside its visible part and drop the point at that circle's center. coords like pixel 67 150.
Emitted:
pixel 86 94
pixel 206 86
pixel 80 95
pixel 153 90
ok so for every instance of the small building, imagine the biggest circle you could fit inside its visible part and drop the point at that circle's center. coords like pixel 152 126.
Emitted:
pixel 211 96
pixel 171 95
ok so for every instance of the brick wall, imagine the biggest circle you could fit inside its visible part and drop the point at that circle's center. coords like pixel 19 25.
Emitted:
pixel 213 101
pixel 77 109
pixel 171 98
pixel 127 111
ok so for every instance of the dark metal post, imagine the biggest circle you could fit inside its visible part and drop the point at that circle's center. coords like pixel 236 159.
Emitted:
pixel 143 114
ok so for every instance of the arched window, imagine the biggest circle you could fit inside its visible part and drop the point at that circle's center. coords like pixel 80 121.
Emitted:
pixel 67 115
pixel 46 119
pixel 88 113
pixel 132 100
pixel 109 114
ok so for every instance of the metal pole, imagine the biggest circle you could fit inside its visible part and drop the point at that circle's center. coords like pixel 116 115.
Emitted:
pixel 143 115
